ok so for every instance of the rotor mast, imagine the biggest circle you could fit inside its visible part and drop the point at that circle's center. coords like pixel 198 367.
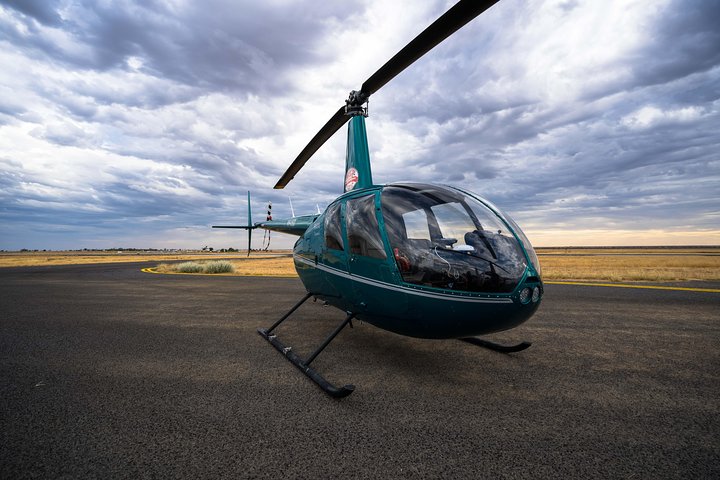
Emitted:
pixel 358 173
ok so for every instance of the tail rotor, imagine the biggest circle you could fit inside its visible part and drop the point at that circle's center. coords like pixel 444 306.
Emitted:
pixel 249 227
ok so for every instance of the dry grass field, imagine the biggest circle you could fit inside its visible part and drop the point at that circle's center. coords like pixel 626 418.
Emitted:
pixel 255 265
pixel 593 264
pixel 29 259
pixel 628 265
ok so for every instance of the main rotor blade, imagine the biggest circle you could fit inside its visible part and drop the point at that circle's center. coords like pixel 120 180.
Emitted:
pixel 332 126
pixel 439 30
pixel 454 19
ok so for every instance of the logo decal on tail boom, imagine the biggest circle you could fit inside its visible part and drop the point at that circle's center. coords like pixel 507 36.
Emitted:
pixel 351 179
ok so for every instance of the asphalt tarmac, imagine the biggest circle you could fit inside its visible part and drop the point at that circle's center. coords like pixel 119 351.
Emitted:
pixel 108 372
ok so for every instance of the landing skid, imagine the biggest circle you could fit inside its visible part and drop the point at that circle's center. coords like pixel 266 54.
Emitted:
pixel 304 365
pixel 496 346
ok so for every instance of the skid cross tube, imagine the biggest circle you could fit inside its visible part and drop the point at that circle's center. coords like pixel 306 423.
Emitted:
pixel 292 310
pixel 329 339
pixel 304 365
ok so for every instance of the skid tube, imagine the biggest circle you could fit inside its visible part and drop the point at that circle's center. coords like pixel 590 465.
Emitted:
pixel 496 346
pixel 304 365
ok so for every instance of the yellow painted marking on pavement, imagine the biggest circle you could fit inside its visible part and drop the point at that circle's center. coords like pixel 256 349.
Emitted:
pixel 646 287
pixel 154 270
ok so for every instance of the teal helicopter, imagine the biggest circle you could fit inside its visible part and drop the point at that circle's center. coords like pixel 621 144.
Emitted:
pixel 422 260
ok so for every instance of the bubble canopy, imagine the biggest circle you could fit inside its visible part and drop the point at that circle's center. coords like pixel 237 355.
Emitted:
pixel 445 238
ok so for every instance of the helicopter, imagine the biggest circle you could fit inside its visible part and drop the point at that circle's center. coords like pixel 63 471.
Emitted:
pixel 420 260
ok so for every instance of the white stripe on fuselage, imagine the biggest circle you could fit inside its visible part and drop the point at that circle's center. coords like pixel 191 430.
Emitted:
pixel 398 288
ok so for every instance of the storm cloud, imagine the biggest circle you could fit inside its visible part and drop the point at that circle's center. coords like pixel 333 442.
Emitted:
pixel 140 124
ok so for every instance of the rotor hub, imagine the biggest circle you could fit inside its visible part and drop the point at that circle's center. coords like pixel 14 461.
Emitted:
pixel 357 104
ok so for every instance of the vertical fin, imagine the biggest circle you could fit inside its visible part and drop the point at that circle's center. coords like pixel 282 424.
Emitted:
pixel 249 222
pixel 357 160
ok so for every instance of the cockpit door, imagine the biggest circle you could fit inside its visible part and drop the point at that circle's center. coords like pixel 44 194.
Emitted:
pixel 335 249
pixel 334 252
pixel 367 253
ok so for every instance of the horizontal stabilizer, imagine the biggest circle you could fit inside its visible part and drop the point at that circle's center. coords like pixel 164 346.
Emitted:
pixel 246 227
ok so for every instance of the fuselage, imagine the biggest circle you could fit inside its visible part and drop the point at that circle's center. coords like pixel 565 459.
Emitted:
pixel 421 260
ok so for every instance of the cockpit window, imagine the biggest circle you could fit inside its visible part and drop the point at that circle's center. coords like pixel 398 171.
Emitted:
pixel 416 225
pixel 362 228
pixel 442 238
pixel 453 221
pixel 333 234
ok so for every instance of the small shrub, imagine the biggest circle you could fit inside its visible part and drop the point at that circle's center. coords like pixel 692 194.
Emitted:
pixel 218 266
pixel 189 267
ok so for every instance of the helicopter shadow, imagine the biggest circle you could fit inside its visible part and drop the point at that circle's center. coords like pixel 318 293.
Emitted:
pixel 376 358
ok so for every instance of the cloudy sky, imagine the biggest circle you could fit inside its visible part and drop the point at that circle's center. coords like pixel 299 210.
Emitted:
pixel 141 123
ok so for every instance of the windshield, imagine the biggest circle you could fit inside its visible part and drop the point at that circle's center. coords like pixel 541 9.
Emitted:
pixel 445 239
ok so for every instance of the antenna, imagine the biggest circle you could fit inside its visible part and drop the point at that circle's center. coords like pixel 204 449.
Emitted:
pixel 292 210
